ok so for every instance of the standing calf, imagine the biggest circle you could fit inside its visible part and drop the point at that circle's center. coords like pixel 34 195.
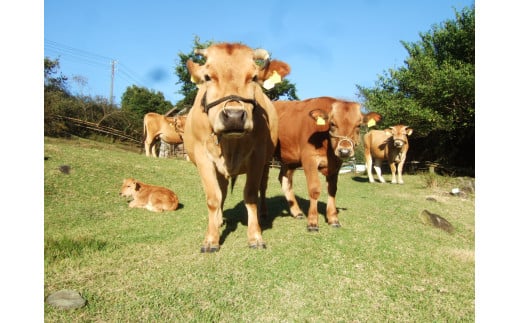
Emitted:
pixel 390 145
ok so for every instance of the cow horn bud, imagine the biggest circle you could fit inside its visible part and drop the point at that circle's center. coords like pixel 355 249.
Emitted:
pixel 201 51
pixel 261 53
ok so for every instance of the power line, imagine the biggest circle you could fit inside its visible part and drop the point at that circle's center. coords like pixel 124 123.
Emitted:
pixel 94 60
pixel 76 51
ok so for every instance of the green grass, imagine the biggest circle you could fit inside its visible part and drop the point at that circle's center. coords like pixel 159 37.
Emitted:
pixel 133 265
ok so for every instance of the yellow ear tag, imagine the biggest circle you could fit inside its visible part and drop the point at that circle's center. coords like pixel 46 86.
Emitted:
pixel 192 79
pixel 272 80
pixel 371 123
pixel 320 121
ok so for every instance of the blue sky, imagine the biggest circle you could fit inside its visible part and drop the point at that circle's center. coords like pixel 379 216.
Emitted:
pixel 330 45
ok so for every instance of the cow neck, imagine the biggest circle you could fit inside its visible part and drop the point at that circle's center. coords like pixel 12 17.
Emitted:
pixel 206 106
pixel 215 138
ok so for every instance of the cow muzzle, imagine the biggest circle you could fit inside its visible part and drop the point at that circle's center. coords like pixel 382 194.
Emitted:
pixel 398 143
pixel 233 118
pixel 345 147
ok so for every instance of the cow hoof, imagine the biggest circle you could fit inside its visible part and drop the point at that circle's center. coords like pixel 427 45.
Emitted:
pixel 335 224
pixel 209 249
pixel 299 216
pixel 313 228
pixel 260 245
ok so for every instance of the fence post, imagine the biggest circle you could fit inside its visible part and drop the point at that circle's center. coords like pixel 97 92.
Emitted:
pixel 165 150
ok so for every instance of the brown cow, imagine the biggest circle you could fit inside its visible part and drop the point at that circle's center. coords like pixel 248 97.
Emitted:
pixel 158 127
pixel 317 134
pixel 150 197
pixel 232 129
pixel 390 145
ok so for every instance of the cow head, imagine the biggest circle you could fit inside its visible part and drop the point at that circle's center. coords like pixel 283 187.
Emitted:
pixel 399 135
pixel 229 84
pixel 129 188
pixel 343 123
pixel 179 123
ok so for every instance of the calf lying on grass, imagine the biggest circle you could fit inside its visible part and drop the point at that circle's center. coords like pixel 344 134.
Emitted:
pixel 153 198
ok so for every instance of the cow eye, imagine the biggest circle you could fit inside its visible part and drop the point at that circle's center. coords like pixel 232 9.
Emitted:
pixel 207 78
pixel 255 78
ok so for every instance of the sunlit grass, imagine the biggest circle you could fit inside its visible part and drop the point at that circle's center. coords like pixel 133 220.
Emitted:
pixel 133 265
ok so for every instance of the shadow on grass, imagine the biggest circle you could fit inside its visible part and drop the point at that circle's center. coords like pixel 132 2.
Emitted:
pixel 276 207
pixel 66 247
pixel 360 179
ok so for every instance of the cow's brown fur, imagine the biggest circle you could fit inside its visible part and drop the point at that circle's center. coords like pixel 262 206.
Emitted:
pixel 233 137
pixel 151 197
pixel 390 145
pixel 317 134
pixel 159 127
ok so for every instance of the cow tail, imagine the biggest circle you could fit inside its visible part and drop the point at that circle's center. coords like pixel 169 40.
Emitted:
pixel 233 181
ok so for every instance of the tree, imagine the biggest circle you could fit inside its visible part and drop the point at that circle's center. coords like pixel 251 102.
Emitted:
pixel 139 101
pixel 188 90
pixel 52 81
pixel 434 92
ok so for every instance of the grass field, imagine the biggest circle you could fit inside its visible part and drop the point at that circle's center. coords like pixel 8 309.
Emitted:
pixel 133 265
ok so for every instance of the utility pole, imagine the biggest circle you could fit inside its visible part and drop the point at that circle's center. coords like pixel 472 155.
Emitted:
pixel 112 83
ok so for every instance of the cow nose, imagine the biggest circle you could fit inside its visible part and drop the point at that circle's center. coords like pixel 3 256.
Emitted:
pixel 344 152
pixel 233 115
pixel 398 144
pixel 233 120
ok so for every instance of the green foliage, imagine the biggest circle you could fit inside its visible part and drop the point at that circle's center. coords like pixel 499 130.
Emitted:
pixel 284 90
pixel 137 101
pixel 52 81
pixel 133 265
pixel 434 92
pixel 64 113
pixel 140 100
pixel 188 88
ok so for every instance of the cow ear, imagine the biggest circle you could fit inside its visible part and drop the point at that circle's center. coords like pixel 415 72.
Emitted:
pixel 320 116
pixel 137 186
pixel 388 131
pixel 273 73
pixel 196 72
pixel 371 119
pixel 409 131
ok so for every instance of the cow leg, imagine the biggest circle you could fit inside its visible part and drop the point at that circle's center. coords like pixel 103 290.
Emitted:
pixel 286 179
pixel 393 169
pixel 213 184
pixel 314 189
pixel 368 166
pixel 223 184
pixel 377 167
pixel 152 148
pixel 263 189
pixel 400 172
pixel 254 233
pixel 332 211
pixel 148 146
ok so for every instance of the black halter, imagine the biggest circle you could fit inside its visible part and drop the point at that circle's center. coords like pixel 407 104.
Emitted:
pixel 207 106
